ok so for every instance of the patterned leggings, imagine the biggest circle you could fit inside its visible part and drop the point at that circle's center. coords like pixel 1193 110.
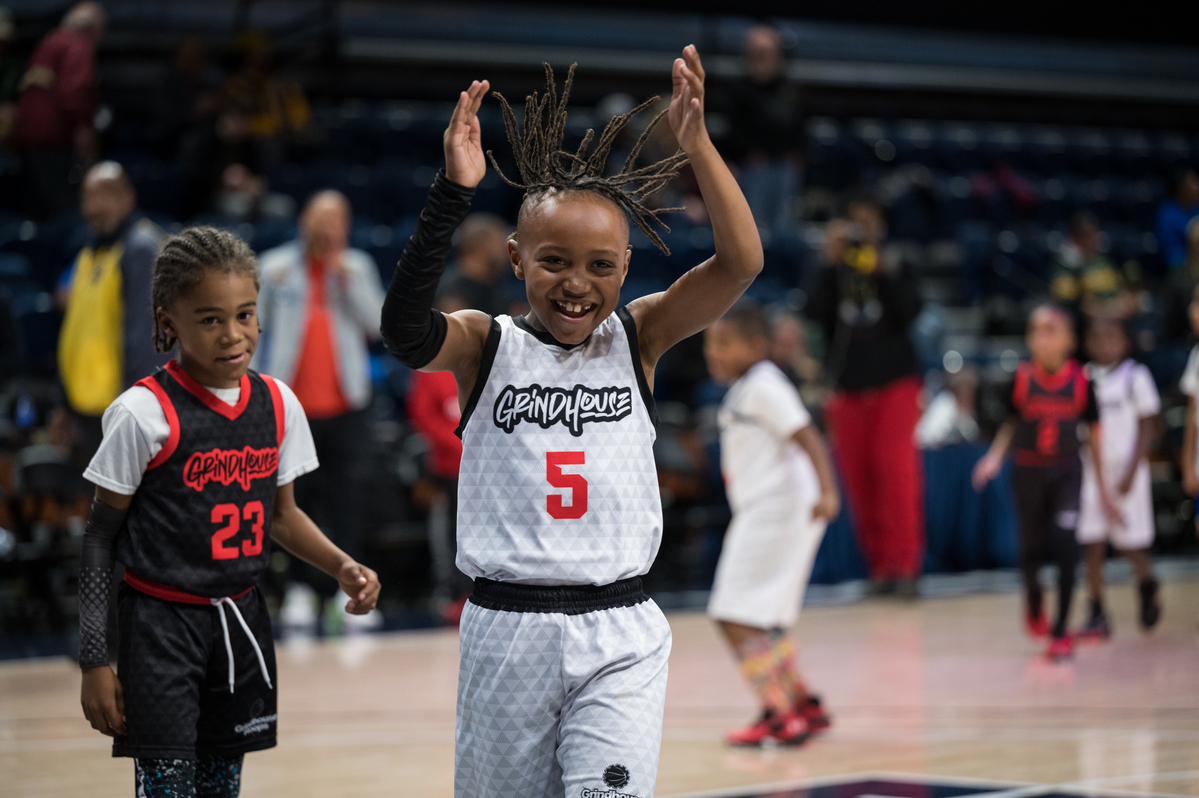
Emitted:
pixel 210 776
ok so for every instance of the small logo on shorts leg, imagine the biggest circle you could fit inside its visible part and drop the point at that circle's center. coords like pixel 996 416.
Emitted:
pixel 616 776
pixel 258 722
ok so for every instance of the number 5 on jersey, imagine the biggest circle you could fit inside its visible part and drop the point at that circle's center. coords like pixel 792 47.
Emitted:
pixel 573 482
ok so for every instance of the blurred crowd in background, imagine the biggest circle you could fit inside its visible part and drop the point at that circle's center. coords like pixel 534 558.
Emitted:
pixel 902 257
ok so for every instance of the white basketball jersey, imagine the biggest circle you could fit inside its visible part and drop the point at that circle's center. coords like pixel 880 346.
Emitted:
pixel 558 484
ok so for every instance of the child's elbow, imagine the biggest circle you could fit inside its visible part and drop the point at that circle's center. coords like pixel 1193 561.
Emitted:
pixel 751 262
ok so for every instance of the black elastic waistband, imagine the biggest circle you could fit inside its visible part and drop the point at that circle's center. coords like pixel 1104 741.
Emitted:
pixel 564 599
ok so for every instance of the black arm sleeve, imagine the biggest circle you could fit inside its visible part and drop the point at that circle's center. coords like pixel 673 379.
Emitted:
pixel 95 581
pixel 413 331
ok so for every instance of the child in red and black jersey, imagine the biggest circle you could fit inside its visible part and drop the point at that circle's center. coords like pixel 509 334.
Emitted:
pixel 1048 406
pixel 193 481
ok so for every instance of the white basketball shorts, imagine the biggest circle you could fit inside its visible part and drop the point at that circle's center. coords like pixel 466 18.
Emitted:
pixel 560 692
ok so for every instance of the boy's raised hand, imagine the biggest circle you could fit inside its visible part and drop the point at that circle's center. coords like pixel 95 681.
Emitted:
pixel 361 584
pixel 464 161
pixel 687 101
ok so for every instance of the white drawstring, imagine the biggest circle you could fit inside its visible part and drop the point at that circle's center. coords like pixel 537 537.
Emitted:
pixel 220 603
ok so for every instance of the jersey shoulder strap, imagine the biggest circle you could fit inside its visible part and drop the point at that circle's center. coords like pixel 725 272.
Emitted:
pixel 1020 390
pixel 168 410
pixel 1081 382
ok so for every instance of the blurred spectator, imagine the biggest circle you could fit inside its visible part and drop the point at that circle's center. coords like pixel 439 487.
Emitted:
pixel 10 78
pixel 209 152
pixel 1176 324
pixel 319 306
pixel 189 94
pixel 1083 278
pixel 789 349
pixel 54 115
pixel 766 135
pixel 951 416
pixel 1175 214
pixel 434 412
pixel 106 342
pixel 790 352
pixel 278 111
pixel 474 280
pixel 865 303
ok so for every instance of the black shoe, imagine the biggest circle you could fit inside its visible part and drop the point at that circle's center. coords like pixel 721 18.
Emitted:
pixel 1096 627
pixel 908 588
pixel 878 586
pixel 1151 610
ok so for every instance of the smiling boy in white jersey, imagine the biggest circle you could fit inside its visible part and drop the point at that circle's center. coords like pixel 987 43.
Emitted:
pixel 781 489
pixel 563 668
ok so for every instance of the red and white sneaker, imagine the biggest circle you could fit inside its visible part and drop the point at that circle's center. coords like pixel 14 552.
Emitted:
pixel 788 729
pixel 1060 648
pixel 1036 626
pixel 811 710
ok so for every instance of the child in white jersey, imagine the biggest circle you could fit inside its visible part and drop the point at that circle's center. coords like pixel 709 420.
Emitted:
pixel 563 662
pixel 1128 405
pixel 1189 385
pixel 781 488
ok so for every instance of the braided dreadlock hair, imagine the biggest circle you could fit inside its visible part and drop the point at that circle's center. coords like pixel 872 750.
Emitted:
pixel 184 261
pixel 545 167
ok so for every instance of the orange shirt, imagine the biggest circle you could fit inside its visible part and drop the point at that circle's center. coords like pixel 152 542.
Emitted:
pixel 316 384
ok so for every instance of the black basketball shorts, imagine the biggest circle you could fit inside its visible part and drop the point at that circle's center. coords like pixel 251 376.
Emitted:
pixel 174 668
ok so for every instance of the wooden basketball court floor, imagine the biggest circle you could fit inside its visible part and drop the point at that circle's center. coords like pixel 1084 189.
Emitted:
pixel 943 691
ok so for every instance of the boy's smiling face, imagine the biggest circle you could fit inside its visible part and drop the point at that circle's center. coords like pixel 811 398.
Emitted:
pixel 572 251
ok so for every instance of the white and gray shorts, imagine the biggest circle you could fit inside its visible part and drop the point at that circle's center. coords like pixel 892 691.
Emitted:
pixel 560 691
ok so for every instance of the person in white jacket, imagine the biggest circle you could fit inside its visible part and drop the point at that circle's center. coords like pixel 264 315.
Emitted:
pixel 319 309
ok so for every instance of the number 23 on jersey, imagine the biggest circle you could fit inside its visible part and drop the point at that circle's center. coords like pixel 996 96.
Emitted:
pixel 231 516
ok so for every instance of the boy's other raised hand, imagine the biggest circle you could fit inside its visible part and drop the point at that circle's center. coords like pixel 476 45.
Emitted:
pixel 687 101
pixel 464 160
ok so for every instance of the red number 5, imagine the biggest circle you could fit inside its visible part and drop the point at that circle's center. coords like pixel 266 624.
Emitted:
pixel 574 482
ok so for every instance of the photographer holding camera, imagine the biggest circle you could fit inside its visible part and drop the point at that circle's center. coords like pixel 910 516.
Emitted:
pixel 865 304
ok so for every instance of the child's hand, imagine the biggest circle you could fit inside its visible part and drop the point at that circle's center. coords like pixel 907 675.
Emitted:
pixel 1111 509
pixel 687 101
pixel 827 506
pixel 987 468
pixel 1190 483
pixel 464 161
pixel 361 584
pixel 103 701
pixel 1125 484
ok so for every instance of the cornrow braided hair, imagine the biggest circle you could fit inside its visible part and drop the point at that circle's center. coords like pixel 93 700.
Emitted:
pixel 184 261
pixel 545 167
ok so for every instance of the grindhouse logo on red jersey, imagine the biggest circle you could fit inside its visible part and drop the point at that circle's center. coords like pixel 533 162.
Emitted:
pixel 227 466
pixel 571 408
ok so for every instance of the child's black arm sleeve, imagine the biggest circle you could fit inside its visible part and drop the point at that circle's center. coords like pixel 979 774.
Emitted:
pixel 413 331
pixel 95 581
